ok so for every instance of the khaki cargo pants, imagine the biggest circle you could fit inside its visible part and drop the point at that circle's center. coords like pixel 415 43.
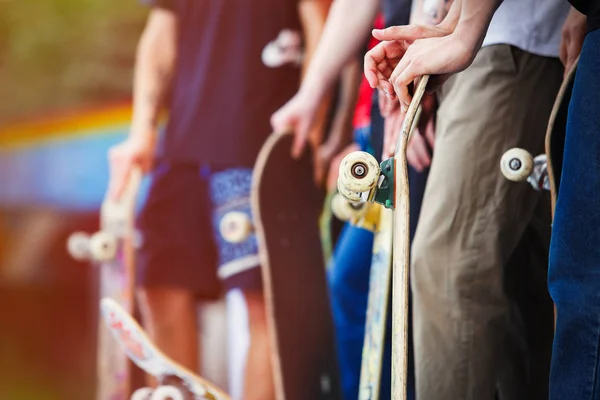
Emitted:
pixel 483 318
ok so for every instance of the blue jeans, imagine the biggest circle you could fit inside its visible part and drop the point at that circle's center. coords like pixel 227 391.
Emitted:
pixel 349 291
pixel 574 271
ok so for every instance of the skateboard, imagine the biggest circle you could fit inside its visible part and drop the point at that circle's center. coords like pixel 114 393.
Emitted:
pixel 362 179
pixel 286 206
pixel 176 382
pixel 543 171
pixel 113 250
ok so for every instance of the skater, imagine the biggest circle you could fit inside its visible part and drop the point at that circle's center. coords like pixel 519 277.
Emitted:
pixel 462 275
pixel 221 69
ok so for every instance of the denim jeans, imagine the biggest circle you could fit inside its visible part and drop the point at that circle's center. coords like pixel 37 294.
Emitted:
pixel 574 274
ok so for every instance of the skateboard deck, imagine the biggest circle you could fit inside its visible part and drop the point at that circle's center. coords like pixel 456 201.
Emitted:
pixel 176 382
pixel 543 172
pixel 286 206
pixel 113 250
pixel 377 306
pixel 361 180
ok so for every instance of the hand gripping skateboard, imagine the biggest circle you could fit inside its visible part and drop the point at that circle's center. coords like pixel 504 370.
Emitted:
pixel 543 171
pixel 362 179
pixel 112 249
pixel 286 206
pixel 176 382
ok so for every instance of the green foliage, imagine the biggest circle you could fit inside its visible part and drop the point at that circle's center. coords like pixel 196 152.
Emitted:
pixel 65 54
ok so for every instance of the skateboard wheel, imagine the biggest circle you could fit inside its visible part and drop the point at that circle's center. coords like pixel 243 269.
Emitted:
pixel 351 196
pixel 235 226
pixel 345 210
pixel 142 394
pixel 103 246
pixel 359 171
pixel 78 246
pixel 167 393
pixel 516 164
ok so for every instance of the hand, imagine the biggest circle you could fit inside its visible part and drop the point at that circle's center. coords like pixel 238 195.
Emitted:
pixel 417 154
pixel 122 158
pixel 335 165
pixel 573 33
pixel 386 104
pixel 296 115
pixel 408 52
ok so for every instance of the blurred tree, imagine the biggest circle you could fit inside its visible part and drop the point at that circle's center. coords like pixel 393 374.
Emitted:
pixel 65 54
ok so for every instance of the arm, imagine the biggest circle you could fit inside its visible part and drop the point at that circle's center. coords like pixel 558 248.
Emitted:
pixel 313 14
pixel 155 61
pixel 346 30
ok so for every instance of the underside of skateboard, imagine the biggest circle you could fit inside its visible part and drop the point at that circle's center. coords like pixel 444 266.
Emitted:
pixel 175 381
pixel 112 249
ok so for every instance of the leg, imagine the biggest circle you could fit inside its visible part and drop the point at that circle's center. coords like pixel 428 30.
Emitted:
pixel 258 379
pixel 575 252
pixel 239 269
pixel 176 263
pixel 471 222
pixel 173 332
pixel 348 278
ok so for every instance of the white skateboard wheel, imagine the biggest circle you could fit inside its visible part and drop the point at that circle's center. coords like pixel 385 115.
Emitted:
pixel 78 246
pixel 359 171
pixel 142 394
pixel 516 164
pixel 235 226
pixel 103 246
pixel 350 195
pixel 345 210
pixel 167 393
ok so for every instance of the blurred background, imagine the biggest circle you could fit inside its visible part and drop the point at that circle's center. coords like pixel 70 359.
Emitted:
pixel 65 77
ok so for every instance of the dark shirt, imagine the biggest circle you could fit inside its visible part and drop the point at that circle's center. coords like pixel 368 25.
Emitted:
pixel 591 8
pixel 396 12
pixel 223 94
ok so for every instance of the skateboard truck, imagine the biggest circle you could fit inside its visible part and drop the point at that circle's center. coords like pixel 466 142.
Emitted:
pixel 518 165
pixel 362 179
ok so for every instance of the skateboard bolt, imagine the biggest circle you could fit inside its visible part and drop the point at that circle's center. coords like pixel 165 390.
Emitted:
pixel 359 170
pixel 515 164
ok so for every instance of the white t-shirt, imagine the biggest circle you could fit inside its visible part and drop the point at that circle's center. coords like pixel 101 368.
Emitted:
pixel 531 25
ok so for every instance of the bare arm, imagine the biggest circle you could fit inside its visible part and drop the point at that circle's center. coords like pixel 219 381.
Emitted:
pixel 346 30
pixel 155 61
pixel 152 78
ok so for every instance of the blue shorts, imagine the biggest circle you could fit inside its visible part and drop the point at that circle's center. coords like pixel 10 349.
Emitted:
pixel 179 224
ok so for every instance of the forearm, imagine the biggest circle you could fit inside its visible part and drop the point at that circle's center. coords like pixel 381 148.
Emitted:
pixel 341 133
pixel 155 62
pixel 346 30
pixel 473 21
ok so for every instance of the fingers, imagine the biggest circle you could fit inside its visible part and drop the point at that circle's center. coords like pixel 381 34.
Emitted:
pixel 408 33
pixel 282 120
pixel 563 53
pixel 430 132
pixel 300 139
pixel 417 153
pixel 380 61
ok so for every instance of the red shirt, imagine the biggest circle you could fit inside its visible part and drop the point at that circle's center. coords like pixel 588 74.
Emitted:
pixel 362 112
